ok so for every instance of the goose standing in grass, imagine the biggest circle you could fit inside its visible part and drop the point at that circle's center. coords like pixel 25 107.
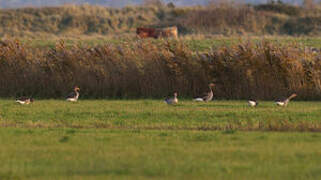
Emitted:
pixel 24 100
pixel 172 100
pixel 286 101
pixel 253 103
pixel 208 96
pixel 73 96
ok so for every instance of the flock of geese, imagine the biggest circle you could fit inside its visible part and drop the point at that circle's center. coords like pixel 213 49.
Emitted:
pixel 72 97
pixel 208 96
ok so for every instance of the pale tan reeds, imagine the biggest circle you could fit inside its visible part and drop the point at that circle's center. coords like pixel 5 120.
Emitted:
pixel 148 69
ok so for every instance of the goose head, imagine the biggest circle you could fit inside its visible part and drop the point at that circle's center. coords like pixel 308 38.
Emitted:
pixel 76 89
pixel 175 94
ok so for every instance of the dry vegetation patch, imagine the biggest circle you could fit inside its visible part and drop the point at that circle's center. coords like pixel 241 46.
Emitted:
pixel 226 19
pixel 136 69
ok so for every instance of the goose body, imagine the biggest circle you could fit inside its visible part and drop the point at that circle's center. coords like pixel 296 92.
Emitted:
pixel 286 101
pixel 172 100
pixel 208 96
pixel 73 96
pixel 199 99
pixel 24 100
pixel 280 103
pixel 253 103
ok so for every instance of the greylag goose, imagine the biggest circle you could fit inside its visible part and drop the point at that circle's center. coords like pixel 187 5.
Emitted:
pixel 208 96
pixel 253 103
pixel 286 101
pixel 73 96
pixel 24 100
pixel 172 100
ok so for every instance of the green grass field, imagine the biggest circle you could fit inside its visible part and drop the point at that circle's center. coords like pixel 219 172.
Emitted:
pixel 127 154
pixel 155 114
pixel 195 43
pixel 147 139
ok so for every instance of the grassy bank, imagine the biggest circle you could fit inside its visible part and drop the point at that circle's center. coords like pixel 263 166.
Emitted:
pixel 226 19
pixel 114 154
pixel 228 116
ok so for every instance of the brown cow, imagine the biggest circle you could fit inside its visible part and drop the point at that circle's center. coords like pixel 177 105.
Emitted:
pixel 168 32
pixel 157 32
pixel 147 32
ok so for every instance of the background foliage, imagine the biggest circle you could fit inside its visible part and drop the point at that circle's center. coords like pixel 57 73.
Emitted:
pixel 216 18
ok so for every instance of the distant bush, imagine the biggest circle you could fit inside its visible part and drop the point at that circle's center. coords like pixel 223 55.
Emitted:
pixel 148 69
pixel 170 5
pixel 302 26
pixel 223 20
pixel 261 19
pixel 281 8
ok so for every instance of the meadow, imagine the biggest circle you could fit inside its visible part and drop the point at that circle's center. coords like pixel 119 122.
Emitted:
pixel 129 138
pixel 125 154
pixel 196 42
pixel 155 114
pixel 122 129
pixel 148 139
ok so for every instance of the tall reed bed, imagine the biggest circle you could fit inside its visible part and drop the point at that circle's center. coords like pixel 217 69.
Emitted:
pixel 149 69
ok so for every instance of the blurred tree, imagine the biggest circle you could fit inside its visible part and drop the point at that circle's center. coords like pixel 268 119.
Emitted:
pixel 153 3
pixel 275 2
pixel 171 5
pixel 309 4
